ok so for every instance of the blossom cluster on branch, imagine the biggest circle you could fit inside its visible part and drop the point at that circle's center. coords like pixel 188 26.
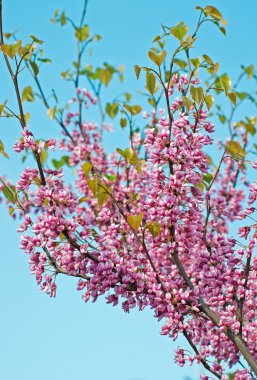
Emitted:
pixel 150 225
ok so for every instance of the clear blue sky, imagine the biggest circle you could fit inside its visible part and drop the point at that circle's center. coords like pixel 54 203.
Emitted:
pixel 63 338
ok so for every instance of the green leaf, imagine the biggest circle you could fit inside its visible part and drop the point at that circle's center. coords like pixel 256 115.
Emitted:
pixel 134 110
pixel 154 228
pixel 123 122
pixel 11 210
pixel 208 59
pixel 128 96
pixel 34 67
pixel 44 60
pixel 112 109
pixel 150 82
pixel 82 33
pixel 35 39
pixel 137 70
pixel 57 163
pixel 11 50
pixel 43 156
pixel 9 193
pixel 157 58
pixel 179 31
pixel 182 64
pixel 215 14
pixel 157 38
pixel 214 69
pixel 2 106
pixel 111 177
pixel 232 97
pixel 222 119
pixel 208 178
pixel 196 61
pixel 223 30
pixel 196 93
pixel 27 117
pixel 226 83
pixel 209 100
pixel 135 220
pixel 241 95
pixel 100 190
pixel 26 51
pixel 187 102
pixel 51 112
pixel 9 35
pixel 63 19
pixel 131 157
pixel 105 76
pixel 87 166
pixel 235 149
pixel 250 71
pixel 27 94
pixel 249 124
pixel 2 150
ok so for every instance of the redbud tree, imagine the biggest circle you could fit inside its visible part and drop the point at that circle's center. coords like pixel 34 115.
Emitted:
pixel 159 224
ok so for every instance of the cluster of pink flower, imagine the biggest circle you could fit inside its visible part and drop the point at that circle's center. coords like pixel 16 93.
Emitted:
pixel 180 254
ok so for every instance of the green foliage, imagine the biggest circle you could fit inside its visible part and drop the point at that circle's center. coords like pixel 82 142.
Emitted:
pixel 99 189
pixel 11 50
pixel 154 228
pixel 2 150
pixel 179 31
pixel 131 157
pixel 34 67
pixel 9 192
pixel 157 58
pixel 112 109
pixel 51 112
pixel 150 82
pixel 133 110
pixel 82 33
pixel 135 220
pixel 235 149
pixel 28 94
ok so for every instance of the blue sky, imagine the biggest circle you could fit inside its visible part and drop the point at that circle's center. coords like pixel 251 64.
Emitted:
pixel 63 338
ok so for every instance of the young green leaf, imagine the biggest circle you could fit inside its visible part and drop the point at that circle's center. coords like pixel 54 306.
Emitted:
pixel 150 82
pixel 87 166
pixel 112 109
pixel 137 70
pixel 157 58
pixel 51 112
pixel 154 228
pixel 232 97
pixel 2 107
pixel 235 149
pixel 208 59
pixel 215 14
pixel 179 31
pixel 34 67
pixel 135 220
pixel 35 39
pixel 82 33
pixel 225 83
pixel 196 61
pixel 11 50
pixel 209 100
pixel 123 122
pixel 2 150
pixel 27 94
pixel 10 193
